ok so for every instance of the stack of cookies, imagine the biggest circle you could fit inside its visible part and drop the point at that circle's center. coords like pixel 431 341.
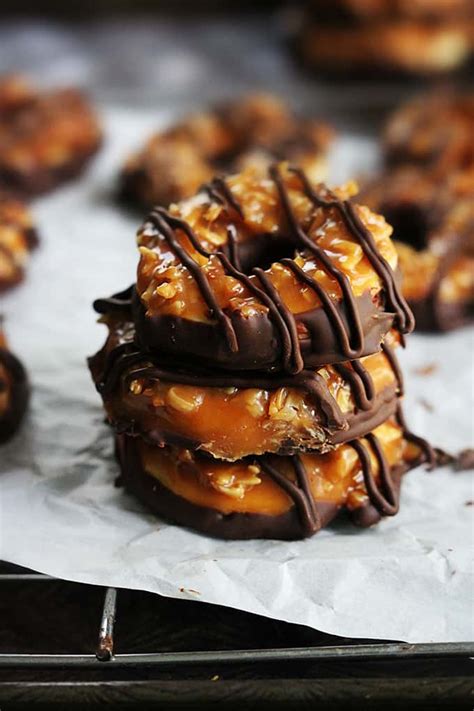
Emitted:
pixel 250 373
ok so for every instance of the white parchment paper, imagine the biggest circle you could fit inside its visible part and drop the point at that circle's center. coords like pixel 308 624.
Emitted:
pixel 410 578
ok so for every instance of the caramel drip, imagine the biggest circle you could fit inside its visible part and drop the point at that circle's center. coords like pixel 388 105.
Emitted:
pixel 310 382
pixel 403 317
pixel 351 339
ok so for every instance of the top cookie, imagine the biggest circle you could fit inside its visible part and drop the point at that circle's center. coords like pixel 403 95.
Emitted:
pixel 267 273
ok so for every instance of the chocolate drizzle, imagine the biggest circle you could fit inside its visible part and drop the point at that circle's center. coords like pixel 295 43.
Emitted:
pixel 121 301
pixel 403 317
pixel 219 191
pixel 351 337
pixel 166 225
pixel 383 498
pixel 383 495
pixel 299 492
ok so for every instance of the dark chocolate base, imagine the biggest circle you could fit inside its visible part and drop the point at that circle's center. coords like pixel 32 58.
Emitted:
pixel 235 526
pixel 43 180
pixel 258 338
pixel 433 316
pixel 19 395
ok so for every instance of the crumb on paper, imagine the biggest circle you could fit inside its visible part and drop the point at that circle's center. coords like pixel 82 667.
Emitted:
pixel 464 461
pixel 189 590
pixel 426 404
pixel 427 369
pixel 469 503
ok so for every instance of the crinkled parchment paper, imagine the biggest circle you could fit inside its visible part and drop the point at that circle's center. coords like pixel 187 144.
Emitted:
pixel 410 578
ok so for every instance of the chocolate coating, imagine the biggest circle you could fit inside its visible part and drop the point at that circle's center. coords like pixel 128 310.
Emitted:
pixel 203 342
pixel 18 399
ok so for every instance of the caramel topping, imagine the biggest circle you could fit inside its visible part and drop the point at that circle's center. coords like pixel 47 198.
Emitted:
pixel 233 422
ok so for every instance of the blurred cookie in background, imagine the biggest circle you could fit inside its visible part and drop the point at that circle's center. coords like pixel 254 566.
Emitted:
pixel 433 223
pixel 18 237
pixel 46 137
pixel 251 131
pixel 14 391
pixel 429 37
pixel 434 131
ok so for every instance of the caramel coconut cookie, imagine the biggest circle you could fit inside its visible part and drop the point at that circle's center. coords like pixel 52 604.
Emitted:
pixel 18 237
pixel 252 131
pixel 267 272
pixel 434 223
pixel 14 391
pixel 45 137
pixel 380 36
pixel 434 132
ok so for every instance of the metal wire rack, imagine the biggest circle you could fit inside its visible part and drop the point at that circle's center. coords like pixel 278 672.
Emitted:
pixel 104 652
pixel 189 654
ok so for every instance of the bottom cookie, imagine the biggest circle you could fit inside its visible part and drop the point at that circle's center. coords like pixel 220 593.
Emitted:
pixel 272 496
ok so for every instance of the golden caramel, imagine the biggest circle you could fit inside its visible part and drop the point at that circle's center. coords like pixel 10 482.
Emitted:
pixel 263 215
pixel 16 241
pixel 334 477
